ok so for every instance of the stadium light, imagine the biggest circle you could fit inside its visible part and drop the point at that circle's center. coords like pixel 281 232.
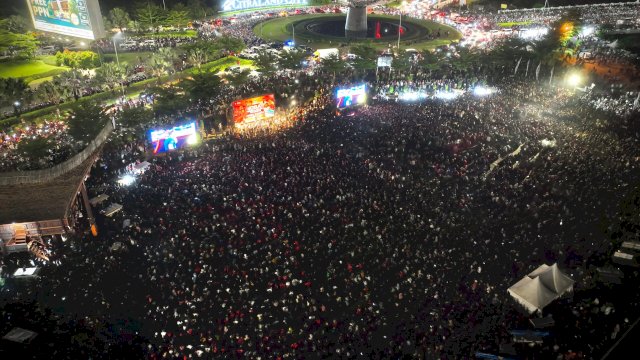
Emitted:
pixel 118 35
pixel 126 180
pixel 587 30
pixel 574 80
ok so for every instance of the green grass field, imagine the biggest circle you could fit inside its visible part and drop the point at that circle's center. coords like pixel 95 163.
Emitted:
pixel 280 30
pixel 30 69
pixel 514 23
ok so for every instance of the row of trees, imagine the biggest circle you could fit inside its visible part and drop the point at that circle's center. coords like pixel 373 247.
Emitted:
pixel 146 15
pixel 15 41
pixel 73 84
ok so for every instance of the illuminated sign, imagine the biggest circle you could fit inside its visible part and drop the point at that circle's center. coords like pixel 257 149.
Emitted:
pixel 356 95
pixel 76 18
pixel 258 108
pixel 173 138
pixel 233 5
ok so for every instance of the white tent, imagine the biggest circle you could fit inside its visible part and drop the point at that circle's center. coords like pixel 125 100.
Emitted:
pixel 531 294
pixel 552 278
pixel 541 287
pixel 19 335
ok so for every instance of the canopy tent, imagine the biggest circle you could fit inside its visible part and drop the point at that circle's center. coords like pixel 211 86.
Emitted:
pixel 20 335
pixel 112 209
pixel 98 199
pixel 541 287
pixel 531 294
pixel 553 279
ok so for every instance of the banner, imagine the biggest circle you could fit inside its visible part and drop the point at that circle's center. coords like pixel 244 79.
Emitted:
pixel 76 18
pixel 233 5
pixel 503 6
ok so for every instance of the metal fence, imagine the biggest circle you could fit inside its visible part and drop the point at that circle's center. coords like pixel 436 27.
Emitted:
pixel 44 175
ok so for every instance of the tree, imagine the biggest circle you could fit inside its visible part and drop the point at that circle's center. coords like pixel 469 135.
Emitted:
pixel 333 64
pixel 366 57
pixel 49 91
pixel 429 61
pixel 291 59
pixel 119 18
pixel 12 90
pixel 401 62
pixel 35 149
pixel 177 18
pixel 197 57
pixel 209 48
pixel 161 61
pixel 109 75
pixel 74 80
pixel 236 79
pixel 149 16
pixel 267 62
pixel 86 121
pixel 464 59
pixel 168 100
pixel 135 116
pixel 22 46
pixel 230 44
pixel 16 24
pixel 197 9
pixel 202 86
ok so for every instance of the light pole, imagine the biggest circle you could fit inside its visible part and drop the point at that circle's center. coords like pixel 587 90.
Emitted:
pixel 400 26
pixel 115 47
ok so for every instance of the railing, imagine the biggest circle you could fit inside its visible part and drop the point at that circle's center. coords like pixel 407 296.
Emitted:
pixel 44 175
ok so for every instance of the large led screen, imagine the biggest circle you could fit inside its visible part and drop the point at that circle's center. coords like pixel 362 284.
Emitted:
pixel 177 137
pixel 248 111
pixel 355 95
pixel 76 18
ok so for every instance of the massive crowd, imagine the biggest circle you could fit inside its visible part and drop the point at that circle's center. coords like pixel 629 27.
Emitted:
pixel 605 13
pixel 381 233
pixel 393 229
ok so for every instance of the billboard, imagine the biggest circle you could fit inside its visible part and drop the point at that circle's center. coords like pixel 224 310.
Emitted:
pixel 177 137
pixel 234 5
pixel 355 95
pixel 76 18
pixel 249 111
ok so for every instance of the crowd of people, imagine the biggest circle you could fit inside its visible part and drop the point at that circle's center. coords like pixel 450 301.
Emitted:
pixel 393 230
pixel 388 230
pixel 605 13
pixel 59 146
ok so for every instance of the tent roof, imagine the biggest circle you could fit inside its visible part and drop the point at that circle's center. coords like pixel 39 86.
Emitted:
pixel 552 278
pixel 531 293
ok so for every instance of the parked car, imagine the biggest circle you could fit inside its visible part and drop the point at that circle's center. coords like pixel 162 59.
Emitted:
pixel 48 49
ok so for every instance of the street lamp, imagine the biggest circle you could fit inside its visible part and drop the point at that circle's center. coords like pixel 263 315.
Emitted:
pixel 400 26
pixel 115 47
